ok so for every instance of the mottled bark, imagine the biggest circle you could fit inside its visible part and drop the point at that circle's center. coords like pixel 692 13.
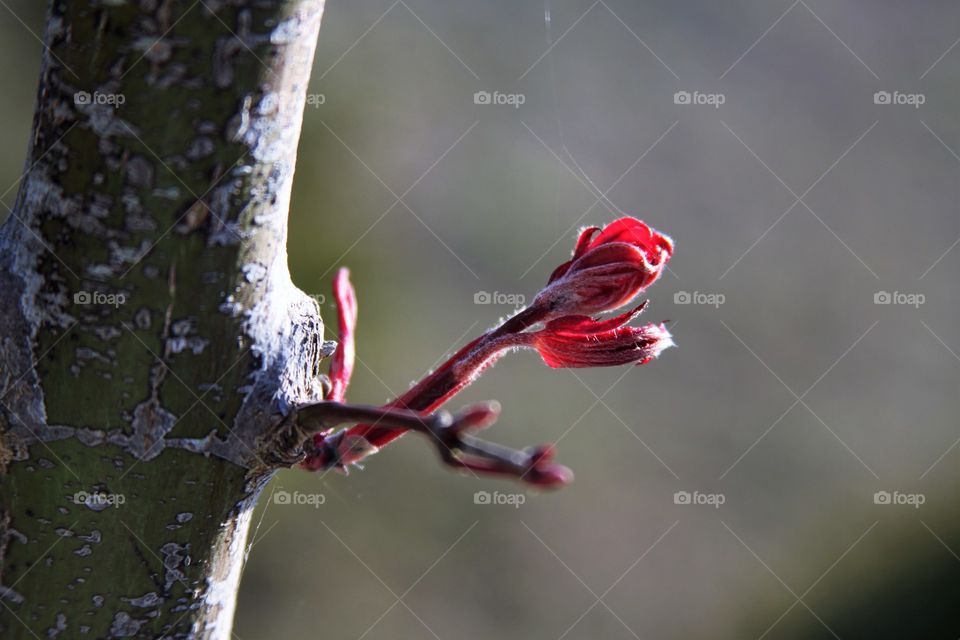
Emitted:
pixel 150 338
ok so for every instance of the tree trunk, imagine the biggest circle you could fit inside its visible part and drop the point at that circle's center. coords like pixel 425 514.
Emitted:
pixel 151 340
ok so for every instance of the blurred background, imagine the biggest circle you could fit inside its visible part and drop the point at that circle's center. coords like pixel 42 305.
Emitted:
pixel 789 471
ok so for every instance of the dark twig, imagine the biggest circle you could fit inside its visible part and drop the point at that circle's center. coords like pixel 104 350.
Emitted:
pixel 452 434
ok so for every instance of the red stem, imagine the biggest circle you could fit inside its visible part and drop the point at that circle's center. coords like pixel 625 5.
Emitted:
pixel 453 375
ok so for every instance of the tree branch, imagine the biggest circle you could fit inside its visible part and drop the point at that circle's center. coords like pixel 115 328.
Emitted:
pixel 150 336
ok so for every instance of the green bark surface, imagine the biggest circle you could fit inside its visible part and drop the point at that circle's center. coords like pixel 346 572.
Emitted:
pixel 150 338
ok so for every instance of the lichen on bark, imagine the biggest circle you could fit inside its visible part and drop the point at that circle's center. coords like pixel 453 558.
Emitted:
pixel 150 337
